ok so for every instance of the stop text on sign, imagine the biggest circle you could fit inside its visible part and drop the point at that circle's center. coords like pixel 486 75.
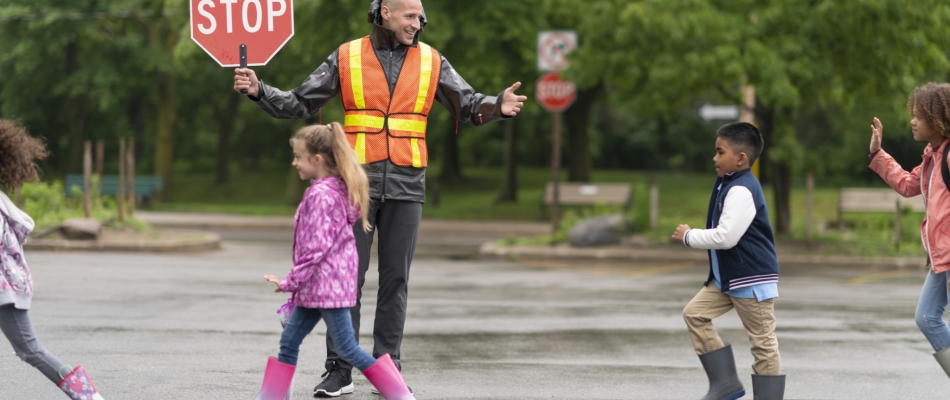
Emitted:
pixel 556 90
pixel 275 8
pixel 220 27
pixel 553 93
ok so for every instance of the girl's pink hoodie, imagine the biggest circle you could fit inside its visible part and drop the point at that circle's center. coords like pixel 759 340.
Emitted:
pixel 935 229
pixel 325 258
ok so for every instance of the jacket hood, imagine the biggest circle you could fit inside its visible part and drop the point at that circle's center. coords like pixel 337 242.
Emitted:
pixel 375 18
pixel 338 187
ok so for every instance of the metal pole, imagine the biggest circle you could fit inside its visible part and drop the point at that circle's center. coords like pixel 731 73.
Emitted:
pixel 809 205
pixel 130 172
pixel 120 196
pixel 897 225
pixel 654 203
pixel 87 179
pixel 556 172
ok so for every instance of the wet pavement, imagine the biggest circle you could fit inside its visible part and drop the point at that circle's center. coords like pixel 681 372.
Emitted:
pixel 200 326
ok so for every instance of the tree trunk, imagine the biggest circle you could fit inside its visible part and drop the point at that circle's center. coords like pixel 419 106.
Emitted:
pixel 226 120
pixel 509 178
pixel 165 140
pixel 74 110
pixel 776 173
pixel 577 122
pixel 451 169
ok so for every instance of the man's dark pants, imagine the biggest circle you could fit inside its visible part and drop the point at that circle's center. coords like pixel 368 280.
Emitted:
pixel 398 225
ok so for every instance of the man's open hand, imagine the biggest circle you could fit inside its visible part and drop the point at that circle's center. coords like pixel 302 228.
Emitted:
pixel 512 103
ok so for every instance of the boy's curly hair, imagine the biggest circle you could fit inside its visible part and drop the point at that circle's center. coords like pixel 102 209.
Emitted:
pixel 932 104
pixel 18 154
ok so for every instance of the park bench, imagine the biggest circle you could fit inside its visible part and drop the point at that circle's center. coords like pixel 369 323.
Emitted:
pixel 589 194
pixel 145 186
pixel 878 200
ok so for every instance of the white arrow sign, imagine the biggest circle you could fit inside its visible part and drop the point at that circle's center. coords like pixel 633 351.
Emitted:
pixel 709 112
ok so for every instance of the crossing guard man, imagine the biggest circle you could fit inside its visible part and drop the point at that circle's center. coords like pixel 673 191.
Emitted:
pixel 388 82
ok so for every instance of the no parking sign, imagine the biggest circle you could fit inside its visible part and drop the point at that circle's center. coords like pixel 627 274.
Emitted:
pixel 553 47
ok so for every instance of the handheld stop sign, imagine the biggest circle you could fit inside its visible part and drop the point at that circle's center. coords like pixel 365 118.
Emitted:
pixel 239 33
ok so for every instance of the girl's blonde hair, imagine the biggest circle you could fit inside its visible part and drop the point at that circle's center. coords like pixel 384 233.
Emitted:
pixel 932 104
pixel 18 154
pixel 340 160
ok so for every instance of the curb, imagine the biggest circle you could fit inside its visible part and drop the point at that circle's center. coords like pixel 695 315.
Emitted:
pixel 206 242
pixel 618 253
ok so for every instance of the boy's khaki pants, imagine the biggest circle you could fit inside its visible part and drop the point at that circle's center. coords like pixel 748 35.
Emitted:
pixel 757 318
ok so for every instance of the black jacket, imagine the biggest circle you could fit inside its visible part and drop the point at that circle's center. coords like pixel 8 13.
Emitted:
pixel 387 181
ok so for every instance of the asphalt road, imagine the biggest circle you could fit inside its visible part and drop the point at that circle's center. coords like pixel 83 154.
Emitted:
pixel 200 326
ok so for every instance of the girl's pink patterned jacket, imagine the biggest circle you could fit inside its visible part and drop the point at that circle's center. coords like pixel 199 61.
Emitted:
pixel 16 283
pixel 325 258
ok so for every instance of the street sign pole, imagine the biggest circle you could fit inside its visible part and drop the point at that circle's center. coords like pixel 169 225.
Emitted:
pixel 556 172
pixel 555 95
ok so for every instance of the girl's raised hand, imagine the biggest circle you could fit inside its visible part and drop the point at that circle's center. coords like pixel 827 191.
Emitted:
pixel 275 280
pixel 877 129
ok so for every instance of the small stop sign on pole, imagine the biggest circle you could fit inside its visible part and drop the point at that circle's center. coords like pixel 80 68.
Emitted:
pixel 553 93
pixel 220 27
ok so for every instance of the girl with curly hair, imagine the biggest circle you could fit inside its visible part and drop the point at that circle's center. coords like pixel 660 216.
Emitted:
pixel 929 106
pixel 18 154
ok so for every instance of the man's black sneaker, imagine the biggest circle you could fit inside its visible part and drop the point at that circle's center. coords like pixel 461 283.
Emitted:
pixel 336 382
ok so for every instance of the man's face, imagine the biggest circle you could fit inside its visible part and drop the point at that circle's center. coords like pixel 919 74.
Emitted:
pixel 402 17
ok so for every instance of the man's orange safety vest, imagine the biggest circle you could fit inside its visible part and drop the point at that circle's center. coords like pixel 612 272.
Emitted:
pixel 380 125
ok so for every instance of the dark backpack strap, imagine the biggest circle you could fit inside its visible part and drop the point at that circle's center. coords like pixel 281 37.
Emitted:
pixel 944 171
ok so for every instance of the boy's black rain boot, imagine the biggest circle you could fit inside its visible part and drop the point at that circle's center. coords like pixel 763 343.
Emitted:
pixel 768 387
pixel 943 358
pixel 724 382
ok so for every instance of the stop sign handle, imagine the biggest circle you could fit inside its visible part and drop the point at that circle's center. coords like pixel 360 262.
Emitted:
pixel 243 52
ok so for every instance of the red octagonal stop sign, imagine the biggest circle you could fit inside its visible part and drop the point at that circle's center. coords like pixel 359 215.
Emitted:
pixel 553 93
pixel 221 26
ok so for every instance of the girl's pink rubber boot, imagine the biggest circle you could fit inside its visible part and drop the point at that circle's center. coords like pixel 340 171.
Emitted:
pixel 278 378
pixel 384 375
pixel 77 385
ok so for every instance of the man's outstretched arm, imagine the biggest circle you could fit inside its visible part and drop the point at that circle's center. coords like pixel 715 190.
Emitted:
pixel 475 108
pixel 300 103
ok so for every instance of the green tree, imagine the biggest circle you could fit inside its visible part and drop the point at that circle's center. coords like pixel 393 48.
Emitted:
pixel 799 55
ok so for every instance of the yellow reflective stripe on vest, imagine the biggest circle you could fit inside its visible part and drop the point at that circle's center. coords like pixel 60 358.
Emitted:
pixel 416 154
pixel 407 125
pixel 369 121
pixel 356 72
pixel 360 148
pixel 424 76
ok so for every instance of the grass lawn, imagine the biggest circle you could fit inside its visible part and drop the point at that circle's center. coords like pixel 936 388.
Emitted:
pixel 684 198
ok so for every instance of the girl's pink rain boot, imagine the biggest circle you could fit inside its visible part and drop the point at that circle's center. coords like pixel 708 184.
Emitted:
pixel 386 378
pixel 278 377
pixel 77 385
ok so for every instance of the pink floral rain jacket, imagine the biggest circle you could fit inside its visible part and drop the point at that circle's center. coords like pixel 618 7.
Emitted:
pixel 16 283
pixel 325 258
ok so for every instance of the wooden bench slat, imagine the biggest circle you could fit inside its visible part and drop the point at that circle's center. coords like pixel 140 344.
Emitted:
pixel 874 200
pixel 586 194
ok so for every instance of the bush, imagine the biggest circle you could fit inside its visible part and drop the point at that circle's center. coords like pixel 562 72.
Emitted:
pixel 49 206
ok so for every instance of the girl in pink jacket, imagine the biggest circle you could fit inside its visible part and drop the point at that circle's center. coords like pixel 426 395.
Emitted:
pixel 18 152
pixel 929 106
pixel 323 279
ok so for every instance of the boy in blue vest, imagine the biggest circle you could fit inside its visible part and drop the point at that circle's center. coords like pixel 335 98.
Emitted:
pixel 743 270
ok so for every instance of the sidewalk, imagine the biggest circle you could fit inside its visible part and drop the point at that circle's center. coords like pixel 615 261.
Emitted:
pixel 480 237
